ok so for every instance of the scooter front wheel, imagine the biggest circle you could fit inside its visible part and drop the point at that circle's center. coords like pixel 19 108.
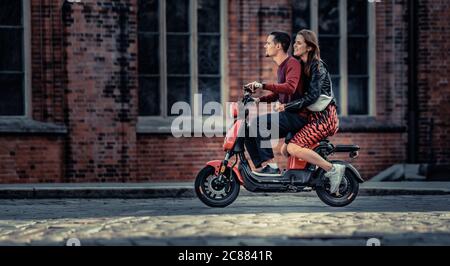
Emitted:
pixel 215 192
pixel 348 190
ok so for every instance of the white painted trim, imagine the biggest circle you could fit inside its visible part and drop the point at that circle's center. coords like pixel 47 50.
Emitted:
pixel 225 85
pixel 193 7
pixel 372 61
pixel 343 57
pixel 314 16
pixel 163 59
pixel 27 58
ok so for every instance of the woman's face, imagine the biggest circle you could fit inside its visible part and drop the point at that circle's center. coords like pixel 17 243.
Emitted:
pixel 300 46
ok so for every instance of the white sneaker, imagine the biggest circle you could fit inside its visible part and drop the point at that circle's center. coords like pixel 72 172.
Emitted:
pixel 335 175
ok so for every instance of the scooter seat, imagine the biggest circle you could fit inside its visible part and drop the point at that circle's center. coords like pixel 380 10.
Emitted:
pixel 347 148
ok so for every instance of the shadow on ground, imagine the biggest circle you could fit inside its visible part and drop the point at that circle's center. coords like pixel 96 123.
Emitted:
pixel 79 208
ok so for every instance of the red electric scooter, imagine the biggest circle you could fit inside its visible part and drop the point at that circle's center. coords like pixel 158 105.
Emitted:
pixel 218 183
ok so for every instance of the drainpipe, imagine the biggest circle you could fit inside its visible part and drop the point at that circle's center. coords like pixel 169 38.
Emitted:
pixel 413 108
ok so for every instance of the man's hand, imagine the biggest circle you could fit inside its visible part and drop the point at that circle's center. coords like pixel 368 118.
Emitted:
pixel 254 86
pixel 279 107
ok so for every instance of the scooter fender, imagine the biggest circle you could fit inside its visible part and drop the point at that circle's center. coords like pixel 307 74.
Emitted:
pixel 319 172
pixel 355 172
pixel 216 164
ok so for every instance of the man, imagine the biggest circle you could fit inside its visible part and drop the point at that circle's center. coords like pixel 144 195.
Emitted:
pixel 289 88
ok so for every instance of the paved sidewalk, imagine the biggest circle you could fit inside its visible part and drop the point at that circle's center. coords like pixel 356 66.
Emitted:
pixel 273 220
pixel 185 189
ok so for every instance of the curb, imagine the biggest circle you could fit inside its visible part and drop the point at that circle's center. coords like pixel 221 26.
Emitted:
pixel 400 192
pixel 136 193
pixel 172 192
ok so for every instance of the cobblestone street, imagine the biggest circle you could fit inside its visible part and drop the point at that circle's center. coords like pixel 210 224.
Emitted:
pixel 256 220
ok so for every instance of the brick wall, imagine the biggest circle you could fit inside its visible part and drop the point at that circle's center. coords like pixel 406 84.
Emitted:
pixel 161 158
pixel 47 61
pixel 392 55
pixel 249 23
pixel 101 91
pixel 31 159
pixel 433 82
pixel 167 158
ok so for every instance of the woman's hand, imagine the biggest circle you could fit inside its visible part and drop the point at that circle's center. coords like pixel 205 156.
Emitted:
pixel 279 107
pixel 284 150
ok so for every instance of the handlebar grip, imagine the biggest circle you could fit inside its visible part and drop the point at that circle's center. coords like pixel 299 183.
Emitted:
pixel 248 88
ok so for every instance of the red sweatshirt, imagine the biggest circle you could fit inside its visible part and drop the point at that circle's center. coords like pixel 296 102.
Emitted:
pixel 289 85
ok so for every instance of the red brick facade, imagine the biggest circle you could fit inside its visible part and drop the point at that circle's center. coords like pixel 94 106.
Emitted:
pixel 84 82
pixel 433 82
pixel 101 91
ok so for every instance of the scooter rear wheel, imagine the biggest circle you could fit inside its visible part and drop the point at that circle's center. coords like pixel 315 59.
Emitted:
pixel 214 193
pixel 348 190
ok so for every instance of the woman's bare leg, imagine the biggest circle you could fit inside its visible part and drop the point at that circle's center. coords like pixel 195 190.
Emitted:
pixel 310 156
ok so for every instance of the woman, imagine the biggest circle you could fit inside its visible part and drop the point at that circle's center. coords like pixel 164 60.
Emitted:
pixel 321 124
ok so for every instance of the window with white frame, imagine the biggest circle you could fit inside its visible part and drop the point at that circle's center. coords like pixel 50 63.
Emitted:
pixel 180 53
pixel 12 58
pixel 346 31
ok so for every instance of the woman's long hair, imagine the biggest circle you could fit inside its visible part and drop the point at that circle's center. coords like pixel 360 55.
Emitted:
pixel 313 55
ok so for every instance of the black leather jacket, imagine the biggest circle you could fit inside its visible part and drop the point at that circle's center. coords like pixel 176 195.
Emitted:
pixel 319 83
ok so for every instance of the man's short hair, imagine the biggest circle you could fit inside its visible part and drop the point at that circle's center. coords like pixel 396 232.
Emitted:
pixel 283 38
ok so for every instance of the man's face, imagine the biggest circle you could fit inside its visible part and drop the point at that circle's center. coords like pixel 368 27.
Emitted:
pixel 300 46
pixel 271 47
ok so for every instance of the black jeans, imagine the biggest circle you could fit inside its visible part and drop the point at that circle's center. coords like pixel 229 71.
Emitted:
pixel 288 122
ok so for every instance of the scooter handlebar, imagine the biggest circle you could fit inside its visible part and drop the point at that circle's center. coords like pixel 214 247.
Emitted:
pixel 248 89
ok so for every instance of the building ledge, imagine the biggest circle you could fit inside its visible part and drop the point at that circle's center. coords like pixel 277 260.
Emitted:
pixel 366 124
pixel 164 126
pixel 154 126
pixel 29 126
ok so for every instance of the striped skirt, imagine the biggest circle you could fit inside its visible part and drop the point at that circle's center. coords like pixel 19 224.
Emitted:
pixel 320 126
